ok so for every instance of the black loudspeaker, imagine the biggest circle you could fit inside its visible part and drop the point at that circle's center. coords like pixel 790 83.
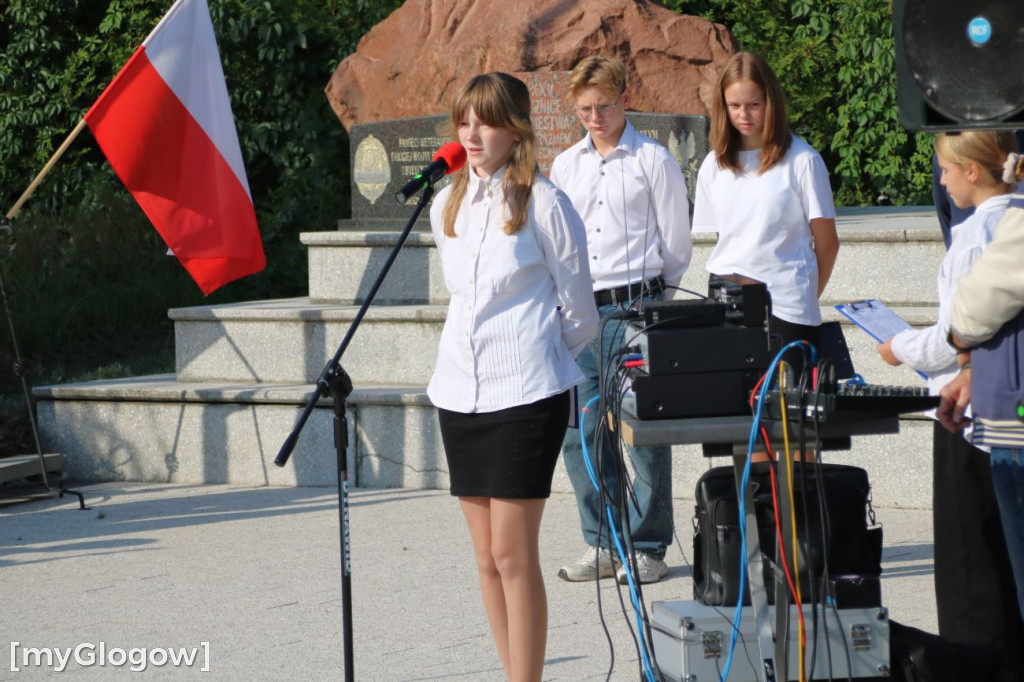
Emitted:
pixel 960 63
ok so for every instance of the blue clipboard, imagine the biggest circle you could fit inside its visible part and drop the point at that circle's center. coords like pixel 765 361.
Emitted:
pixel 877 320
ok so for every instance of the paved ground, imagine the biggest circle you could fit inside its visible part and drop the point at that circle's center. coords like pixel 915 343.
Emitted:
pixel 255 573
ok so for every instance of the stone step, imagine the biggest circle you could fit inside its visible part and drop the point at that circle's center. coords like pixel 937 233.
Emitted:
pixel 343 265
pixel 154 428
pixel 16 467
pixel 290 340
pixel 890 254
pixel 157 429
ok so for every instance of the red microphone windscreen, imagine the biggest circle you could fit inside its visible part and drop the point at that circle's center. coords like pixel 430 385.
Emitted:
pixel 454 154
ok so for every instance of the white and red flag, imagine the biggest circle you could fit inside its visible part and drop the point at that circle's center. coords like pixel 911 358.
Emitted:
pixel 166 127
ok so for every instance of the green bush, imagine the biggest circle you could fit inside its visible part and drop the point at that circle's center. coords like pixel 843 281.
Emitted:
pixel 836 61
pixel 277 57
pixel 89 278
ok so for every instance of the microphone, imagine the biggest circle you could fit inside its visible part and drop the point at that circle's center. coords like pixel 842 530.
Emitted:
pixel 448 159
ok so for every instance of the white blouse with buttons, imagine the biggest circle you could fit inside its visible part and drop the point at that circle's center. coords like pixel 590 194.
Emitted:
pixel 633 202
pixel 521 305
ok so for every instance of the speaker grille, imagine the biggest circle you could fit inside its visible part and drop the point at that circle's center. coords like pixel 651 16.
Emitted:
pixel 967 57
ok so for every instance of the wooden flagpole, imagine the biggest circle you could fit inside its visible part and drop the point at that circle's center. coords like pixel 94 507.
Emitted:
pixel 46 169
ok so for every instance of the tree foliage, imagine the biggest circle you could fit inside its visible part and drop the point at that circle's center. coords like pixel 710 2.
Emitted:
pixel 836 61
pixel 88 275
pixel 277 56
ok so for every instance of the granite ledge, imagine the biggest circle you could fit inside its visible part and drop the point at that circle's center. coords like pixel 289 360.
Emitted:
pixel 855 223
pixel 850 230
pixel 305 310
pixel 383 238
pixel 163 388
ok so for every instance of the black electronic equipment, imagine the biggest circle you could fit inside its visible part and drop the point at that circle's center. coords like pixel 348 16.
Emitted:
pixel 689 312
pixel 747 301
pixel 701 349
pixel 856 591
pixel 832 348
pixel 881 398
pixel 698 394
pixel 958 63
pixel 819 406
pixel 700 357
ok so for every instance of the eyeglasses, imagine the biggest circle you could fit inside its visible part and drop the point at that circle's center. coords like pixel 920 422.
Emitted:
pixel 587 113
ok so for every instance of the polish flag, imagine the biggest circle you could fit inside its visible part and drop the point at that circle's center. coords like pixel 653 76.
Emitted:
pixel 166 127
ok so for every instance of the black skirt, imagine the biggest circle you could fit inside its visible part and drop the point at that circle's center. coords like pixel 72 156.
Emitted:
pixel 510 453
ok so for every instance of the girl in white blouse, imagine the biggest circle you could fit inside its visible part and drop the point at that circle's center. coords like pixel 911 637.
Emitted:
pixel 974 588
pixel 513 253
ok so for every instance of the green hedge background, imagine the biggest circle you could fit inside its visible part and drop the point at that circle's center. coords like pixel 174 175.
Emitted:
pixel 88 276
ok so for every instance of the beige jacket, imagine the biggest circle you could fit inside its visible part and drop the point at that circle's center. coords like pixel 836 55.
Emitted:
pixel 992 293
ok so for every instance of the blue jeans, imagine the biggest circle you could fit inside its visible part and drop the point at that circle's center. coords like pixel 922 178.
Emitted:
pixel 651 528
pixel 1008 481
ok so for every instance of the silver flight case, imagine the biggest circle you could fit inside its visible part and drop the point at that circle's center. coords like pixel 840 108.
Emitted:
pixel 691 643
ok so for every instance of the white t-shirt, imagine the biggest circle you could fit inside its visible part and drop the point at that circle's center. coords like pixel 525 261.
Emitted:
pixel 521 305
pixel 763 224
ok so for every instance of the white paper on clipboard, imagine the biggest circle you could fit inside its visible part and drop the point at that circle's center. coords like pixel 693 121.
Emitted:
pixel 877 319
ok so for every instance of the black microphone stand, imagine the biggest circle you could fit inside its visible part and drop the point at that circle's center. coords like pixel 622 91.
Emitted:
pixel 336 382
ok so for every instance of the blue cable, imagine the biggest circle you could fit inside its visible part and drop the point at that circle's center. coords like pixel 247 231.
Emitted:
pixel 744 482
pixel 633 597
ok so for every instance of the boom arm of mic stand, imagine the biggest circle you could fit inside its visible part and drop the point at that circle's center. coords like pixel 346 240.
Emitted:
pixel 321 383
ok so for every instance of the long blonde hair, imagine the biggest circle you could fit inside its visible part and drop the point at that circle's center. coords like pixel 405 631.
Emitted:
pixel 501 101
pixel 987 148
pixel 775 138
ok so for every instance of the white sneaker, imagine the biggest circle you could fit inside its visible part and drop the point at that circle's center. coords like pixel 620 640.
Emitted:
pixel 649 569
pixel 593 565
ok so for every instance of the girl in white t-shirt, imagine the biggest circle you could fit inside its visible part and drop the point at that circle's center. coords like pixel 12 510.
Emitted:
pixel 974 588
pixel 767 195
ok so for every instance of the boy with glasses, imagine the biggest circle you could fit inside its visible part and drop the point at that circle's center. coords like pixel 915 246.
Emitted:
pixel 632 197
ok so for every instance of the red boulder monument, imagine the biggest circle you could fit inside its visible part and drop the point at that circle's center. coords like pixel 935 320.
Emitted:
pixel 412 62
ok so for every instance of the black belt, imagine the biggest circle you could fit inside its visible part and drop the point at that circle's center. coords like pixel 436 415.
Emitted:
pixel 628 292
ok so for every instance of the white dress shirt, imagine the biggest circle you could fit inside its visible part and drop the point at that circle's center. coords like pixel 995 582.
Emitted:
pixel 521 305
pixel 763 221
pixel 927 349
pixel 633 203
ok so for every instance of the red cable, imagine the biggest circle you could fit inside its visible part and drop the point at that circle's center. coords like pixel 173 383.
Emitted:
pixel 785 566
pixel 778 524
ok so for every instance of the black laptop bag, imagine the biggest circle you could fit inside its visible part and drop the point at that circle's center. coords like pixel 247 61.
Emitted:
pixel 852 543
